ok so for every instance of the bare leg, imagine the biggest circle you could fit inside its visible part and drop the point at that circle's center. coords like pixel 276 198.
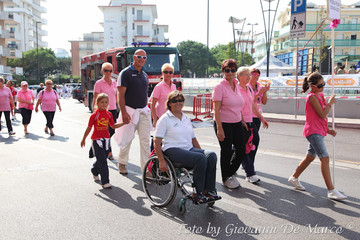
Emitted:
pixel 303 165
pixel 325 170
pixel 25 129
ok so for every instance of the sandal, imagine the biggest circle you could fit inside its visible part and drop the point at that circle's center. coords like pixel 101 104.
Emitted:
pixel 212 196
pixel 46 131
pixel 200 199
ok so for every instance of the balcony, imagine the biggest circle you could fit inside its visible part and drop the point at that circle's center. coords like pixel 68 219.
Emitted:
pixel 15 54
pixel 12 46
pixel 338 43
pixel 340 27
pixel 142 19
pixel 10 17
pixel 39 8
pixel 13 3
pixel 5 69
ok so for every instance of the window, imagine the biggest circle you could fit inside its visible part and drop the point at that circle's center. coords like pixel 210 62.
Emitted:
pixel 133 26
pixel 339 52
pixel 133 11
pixel 353 36
pixel 139 30
pixel 139 14
pixel 352 51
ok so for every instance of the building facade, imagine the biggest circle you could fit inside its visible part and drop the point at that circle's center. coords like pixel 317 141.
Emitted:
pixel 20 30
pixel 347 44
pixel 127 21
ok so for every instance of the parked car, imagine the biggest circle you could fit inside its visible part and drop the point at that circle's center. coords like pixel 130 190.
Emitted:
pixel 78 94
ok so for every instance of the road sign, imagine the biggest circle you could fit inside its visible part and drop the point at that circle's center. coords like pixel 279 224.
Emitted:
pixel 298 18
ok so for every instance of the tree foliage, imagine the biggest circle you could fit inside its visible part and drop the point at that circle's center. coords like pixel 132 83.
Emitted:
pixel 48 64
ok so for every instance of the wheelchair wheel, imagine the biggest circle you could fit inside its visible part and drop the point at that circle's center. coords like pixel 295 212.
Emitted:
pixel 182 206
pixel 159 187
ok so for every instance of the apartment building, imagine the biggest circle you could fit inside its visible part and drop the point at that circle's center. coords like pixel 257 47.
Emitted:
pixel 127 21
pixel 347 43
pixel 90 43
pixel 20 30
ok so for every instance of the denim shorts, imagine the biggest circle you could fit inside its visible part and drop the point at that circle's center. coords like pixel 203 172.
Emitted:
pixel 317 146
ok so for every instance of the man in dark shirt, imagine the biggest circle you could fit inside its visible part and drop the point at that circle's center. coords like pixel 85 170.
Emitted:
pixel 132 85
pixel 41 87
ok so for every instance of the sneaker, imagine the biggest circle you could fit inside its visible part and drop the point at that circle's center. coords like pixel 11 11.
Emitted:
pixel 296 183
pixel 107 186
pixel 11 133
pixel 231 182
pixel 212 196
pixel 253 179
pixel 336 195
pixel 122 169
pixel 96 178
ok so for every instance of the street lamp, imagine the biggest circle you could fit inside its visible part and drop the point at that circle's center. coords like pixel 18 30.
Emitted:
pixel 37 51
pixel 252 37
pixel 233 21
pixel 268 30
pixel 207 47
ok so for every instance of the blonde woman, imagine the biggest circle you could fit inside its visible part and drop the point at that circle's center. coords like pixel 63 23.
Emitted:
pixel 48 99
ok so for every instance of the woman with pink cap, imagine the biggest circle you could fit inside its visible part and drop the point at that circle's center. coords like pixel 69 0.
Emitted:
pixel 26 104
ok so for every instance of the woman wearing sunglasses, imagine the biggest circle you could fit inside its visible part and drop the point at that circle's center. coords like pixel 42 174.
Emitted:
pixel 229 127
pixel 174 130
pixel 26 104
pixel 161 91
pixel 316 128
pixel 108 86
pixel 48 98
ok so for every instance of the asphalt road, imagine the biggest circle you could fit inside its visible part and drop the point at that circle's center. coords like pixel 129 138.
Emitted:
pixel 47 191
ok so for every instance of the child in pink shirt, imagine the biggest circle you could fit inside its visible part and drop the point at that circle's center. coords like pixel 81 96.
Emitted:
pixel 315 130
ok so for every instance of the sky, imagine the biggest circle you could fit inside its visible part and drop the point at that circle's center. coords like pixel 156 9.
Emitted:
pixel 187 19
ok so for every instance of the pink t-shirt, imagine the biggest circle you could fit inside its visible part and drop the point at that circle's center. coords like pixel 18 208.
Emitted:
pixel 247 111
pixel 161 92
pixel 255 91
pixel 5 95
pixel 101 86
pixel 314 123
pixel 26 96
pixel 48 100
pixel 232 102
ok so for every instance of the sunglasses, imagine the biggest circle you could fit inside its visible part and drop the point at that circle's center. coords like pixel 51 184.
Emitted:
pixel 178 100
pixel 107 70
pixel 139 57
pixel 168 72
pixel 255 74
pixel 321 86
pixel 233 70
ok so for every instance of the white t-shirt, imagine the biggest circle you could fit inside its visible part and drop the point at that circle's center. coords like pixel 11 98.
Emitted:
pixel 175 133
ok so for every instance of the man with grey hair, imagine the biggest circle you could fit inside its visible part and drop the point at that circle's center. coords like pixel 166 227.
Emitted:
pixel 133 85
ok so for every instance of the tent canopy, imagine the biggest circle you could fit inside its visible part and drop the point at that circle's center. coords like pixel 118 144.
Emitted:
pixel 275 66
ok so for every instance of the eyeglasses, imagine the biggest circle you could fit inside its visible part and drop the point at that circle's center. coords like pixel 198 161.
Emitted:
pixel 49 84
pixel 233 70
pixel 168 72
pixel 139 57
pixel 177 100
pixel 107 70
pixel 244 75
pixel 255 74
pixel 321 85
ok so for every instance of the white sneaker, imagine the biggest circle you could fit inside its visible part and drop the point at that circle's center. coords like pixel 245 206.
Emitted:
pixel 253 179
pixel 231 183
pixel 296 183
pixel 336 195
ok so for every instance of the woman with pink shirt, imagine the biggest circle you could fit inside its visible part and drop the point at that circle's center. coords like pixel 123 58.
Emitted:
pixel 48 99
pixel 6 101
pixel 108 86
pixel 26 104
pixel 316 128
pixel 161 92
pixel 229 127
pixel 243 75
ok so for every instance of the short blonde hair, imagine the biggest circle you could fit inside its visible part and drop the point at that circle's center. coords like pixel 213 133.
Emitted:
pixel 166 65
pixel 101 96
pixel 242 70
pixel 104 65
pixel 48 81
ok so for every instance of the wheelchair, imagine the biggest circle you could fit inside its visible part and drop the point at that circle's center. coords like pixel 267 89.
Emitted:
pixel 161 187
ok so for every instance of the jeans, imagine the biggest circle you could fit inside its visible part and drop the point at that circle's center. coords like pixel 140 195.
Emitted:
pixel 202 162
pixel 49 118
pixel 234 136
pixel 317 146
pixel 26 115
pixel 100 166
pixel 7 119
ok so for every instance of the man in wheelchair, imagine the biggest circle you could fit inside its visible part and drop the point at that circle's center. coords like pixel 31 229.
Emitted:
pixel 175 137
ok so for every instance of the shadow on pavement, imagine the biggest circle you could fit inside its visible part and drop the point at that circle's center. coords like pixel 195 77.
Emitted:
pixel 122 199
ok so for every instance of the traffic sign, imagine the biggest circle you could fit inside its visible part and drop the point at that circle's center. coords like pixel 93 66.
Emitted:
pixel 298 18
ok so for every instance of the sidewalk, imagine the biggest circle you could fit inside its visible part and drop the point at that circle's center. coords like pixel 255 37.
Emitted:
pixel 288 118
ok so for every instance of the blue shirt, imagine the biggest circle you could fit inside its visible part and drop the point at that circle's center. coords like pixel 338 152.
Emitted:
pixel 137 85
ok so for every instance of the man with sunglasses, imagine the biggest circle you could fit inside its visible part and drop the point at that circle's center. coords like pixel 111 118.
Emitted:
pixel 132 85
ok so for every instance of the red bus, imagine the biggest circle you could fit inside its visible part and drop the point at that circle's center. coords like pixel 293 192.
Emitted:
pixel 120 58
